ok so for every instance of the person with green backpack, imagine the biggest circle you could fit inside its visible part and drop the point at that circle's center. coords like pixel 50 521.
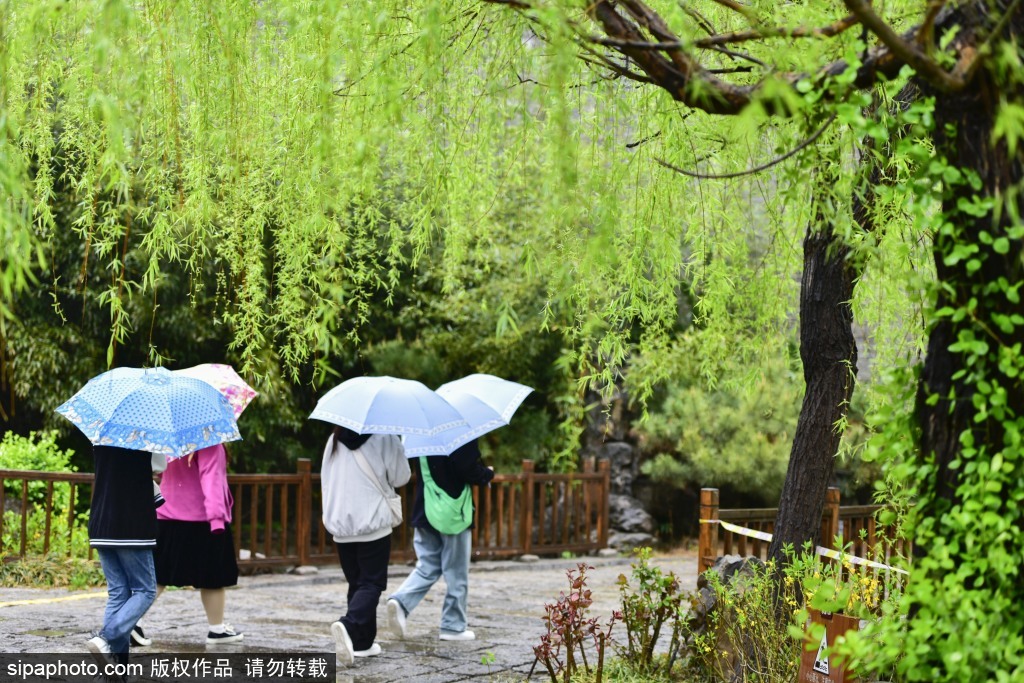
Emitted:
pixel 442 518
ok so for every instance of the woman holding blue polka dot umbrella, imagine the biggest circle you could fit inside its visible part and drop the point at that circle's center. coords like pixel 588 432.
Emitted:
pixel 129 413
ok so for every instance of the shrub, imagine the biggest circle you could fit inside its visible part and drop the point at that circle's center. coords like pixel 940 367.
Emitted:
pixel 756 630
pixel 741 637
pixel 67 536
pixel 570 633
pixel 651 603
pixel 50 570
pixel 37 452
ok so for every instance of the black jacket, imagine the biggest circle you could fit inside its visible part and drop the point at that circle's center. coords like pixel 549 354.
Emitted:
pixel 123 513
pixel 452 473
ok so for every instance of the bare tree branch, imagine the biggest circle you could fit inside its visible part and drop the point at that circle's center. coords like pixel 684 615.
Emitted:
pixel 737 7
pixel 683 77
pixel 970 59
pixel 631 145
pixel 925 37
pixel 833 29
pixel 737 55
pixel 670 45
pixel 639 34
pixel 649 19
pixel 906 51
pixel 518 4
pixel 618 69
pixel 701 20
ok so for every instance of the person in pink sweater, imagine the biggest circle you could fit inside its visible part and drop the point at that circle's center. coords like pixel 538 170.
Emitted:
pixel 194 545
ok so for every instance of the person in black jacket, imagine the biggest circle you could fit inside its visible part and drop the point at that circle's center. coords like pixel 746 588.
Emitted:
pixel 439 554
pixel 122 528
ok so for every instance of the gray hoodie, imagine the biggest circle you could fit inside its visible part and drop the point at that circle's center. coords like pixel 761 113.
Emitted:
pixel 353 509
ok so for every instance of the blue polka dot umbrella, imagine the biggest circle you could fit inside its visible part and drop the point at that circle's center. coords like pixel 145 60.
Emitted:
pixel 151 410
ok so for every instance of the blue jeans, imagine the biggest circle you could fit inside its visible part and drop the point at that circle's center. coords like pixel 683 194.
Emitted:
pixel 131 589
pixel 439 555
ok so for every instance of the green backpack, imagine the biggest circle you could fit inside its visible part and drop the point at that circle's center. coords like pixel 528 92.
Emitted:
pixel 446 514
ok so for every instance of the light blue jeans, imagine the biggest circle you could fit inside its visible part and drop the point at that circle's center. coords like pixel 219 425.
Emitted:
pixel 439 555
pixel 131 589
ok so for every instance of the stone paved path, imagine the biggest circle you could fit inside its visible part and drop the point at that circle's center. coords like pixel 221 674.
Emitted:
pixel 292 613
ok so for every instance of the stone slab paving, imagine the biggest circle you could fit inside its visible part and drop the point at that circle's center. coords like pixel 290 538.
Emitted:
pixel 292 613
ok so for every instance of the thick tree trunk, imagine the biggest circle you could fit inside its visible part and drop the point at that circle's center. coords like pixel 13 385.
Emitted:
pixel 829 354
pixel 828 350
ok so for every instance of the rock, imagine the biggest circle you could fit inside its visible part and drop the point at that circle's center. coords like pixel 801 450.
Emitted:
pixel 620 456
pixel 528 558
pixel 627 515
pixel 607 552
pixel 624 542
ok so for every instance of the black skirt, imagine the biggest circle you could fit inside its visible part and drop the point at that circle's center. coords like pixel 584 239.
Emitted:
pixel 189 554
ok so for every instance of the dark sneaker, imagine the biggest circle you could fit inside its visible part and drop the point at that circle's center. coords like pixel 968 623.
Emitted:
pixel 228 636
pixel 139 637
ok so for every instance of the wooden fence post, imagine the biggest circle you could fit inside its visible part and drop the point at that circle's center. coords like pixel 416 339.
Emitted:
pixel 526 515
pixel 707 543
pixel 830 520
pixel 604 466
pixel 303 518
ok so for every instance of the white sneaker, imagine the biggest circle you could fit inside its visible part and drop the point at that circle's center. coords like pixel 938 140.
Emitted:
pixel 342 643
pixel 396 619
pixel 464 635
pixel 100 649
pixel 371 651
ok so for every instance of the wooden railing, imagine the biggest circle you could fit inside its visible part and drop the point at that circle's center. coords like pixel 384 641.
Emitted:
pixel 276 518
pixel 855 525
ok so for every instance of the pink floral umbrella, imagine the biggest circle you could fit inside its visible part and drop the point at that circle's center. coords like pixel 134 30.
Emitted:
pixel 225 380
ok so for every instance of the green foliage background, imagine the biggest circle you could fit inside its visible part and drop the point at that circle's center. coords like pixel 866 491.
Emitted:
pixel 322 183
pixel 307 175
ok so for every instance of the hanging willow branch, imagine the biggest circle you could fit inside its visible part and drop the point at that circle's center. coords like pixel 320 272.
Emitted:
pixel 756 169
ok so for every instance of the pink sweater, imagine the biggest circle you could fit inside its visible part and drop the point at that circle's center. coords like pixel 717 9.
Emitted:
pixel 196 489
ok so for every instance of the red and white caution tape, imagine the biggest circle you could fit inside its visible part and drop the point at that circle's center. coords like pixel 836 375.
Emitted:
pixel 824 552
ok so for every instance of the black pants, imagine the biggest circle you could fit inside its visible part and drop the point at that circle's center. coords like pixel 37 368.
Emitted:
pixel 365 565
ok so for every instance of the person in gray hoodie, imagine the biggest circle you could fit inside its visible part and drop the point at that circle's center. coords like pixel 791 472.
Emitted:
pixel 359 518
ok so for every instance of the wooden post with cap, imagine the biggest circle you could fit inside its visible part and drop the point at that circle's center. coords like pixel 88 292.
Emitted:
pixel 303 526
pixel 707 541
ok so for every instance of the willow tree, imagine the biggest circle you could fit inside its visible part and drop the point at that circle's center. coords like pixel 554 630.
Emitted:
pixel 309 149
pixel 962 64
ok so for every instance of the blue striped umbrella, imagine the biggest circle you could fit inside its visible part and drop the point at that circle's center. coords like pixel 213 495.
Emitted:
pixel 153 410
